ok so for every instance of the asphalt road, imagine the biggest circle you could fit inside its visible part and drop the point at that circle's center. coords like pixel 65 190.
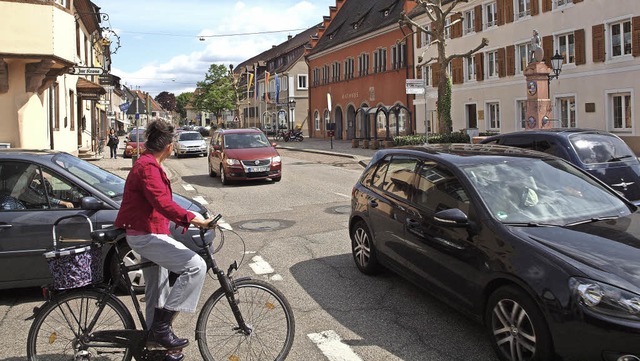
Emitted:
pixel 299 227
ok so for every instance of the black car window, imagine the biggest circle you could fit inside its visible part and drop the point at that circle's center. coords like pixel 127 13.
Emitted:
pixel 525 142
pixel 439 189
pixel 398 176
pixel 378 177
pixel 553 147
pixel 600 148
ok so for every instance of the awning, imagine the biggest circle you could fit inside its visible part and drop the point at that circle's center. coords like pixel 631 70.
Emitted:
pixel 123 121
pixel 89 90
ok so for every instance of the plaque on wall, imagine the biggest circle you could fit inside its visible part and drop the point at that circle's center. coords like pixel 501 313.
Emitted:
pixel 590 107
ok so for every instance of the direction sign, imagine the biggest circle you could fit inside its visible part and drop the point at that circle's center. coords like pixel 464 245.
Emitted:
pixel 415 86
pixel 79 70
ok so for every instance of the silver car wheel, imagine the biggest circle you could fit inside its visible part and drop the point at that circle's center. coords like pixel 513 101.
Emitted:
pixel 513 330
pixel 362 247
pixel 132 258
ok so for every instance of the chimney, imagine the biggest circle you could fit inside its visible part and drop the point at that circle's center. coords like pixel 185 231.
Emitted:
pixel 289 37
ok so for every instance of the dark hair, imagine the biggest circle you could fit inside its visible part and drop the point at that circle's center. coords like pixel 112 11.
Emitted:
pixel 159 134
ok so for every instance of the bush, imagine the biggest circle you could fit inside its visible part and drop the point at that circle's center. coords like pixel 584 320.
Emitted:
pixel 433 139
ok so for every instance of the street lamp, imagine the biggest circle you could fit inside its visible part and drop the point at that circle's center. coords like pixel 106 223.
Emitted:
pixel 556 67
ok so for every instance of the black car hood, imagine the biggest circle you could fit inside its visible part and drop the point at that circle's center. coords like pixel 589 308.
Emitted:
pixel 609 249
pixel 621 176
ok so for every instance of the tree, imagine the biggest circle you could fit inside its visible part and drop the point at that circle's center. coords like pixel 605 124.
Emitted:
pixel 182 101
pixel 167 101
pixel 438 14
pixel 216 93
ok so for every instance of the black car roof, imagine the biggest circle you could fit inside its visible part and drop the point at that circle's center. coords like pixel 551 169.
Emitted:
pixel 556 132
pixel 13 152
pixel 459 153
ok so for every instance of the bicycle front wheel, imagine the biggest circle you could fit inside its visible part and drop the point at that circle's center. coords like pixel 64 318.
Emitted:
pixel 264 309
pixel 59 327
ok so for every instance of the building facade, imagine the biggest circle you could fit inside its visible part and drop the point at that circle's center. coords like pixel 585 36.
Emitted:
pixel 596 88
pixel 48 97
pixel 358 66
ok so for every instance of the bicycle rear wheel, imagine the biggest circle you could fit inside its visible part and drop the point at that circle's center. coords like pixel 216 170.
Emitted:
pixel 264 309
pixel 59 326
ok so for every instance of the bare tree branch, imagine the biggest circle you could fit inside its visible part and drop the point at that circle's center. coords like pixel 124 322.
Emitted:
pixel 452 6
pixel 483 43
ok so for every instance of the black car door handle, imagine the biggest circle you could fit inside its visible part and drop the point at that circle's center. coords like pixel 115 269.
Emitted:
pixel 373 204
pixel 413 226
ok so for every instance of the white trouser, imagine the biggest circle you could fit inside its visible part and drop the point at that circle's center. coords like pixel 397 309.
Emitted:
pixel 169 254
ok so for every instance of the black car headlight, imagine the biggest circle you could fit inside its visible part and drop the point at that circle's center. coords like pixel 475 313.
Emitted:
pixel 606 299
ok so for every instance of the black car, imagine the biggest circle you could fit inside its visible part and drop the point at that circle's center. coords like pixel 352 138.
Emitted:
pixel 540 252
pixel 34 186
pixel 600 153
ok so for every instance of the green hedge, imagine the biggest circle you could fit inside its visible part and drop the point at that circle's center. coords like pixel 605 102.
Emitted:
pixel 433 139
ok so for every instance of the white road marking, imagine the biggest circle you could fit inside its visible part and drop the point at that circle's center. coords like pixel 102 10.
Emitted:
pixel 260 266
pixel 200 199
pixel 276 277
pixel 343 195
pixel 188 187
pixel 330 343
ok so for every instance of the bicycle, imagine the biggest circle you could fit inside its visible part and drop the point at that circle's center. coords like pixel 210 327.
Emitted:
pixel 91 323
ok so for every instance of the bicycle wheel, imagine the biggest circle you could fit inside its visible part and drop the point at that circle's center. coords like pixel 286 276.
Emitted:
pixel 264 309
pixel 58 327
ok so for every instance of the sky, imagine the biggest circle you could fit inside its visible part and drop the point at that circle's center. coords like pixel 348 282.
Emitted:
pixel 169 45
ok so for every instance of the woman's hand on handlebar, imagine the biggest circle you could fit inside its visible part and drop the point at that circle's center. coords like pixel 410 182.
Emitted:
pixel 204 223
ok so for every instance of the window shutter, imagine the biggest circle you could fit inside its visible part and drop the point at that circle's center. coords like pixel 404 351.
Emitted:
pixel 508 11
pixel 500 4
pixel 478 20
pixel 419 72
pixel 535 8
pixel 456 67
pixel 456 29
pixel 502 66
pixel 435 74
pixel 511 60
pixel 581 57
pixel 479 66
pixel 547 48
pixel 546 6
pixel 635 36
pixel 597 34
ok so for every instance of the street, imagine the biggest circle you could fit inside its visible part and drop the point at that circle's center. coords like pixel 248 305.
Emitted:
pixel 296 237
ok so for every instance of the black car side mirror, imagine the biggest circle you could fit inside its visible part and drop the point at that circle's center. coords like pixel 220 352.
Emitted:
pixel 452 217
pixel 91 203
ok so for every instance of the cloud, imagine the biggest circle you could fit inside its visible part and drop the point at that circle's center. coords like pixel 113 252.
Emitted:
pixel 160 46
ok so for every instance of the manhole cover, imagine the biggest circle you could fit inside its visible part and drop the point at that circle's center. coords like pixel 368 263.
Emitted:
pixel 340 210
pixel 262 225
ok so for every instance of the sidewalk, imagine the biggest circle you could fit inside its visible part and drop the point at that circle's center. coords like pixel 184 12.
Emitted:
pixel 342 148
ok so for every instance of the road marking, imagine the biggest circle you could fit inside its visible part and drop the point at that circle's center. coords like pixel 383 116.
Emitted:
pixel 200 200
pixel 343 195
pixel 260 266
pixel 330 343
pixel 188 187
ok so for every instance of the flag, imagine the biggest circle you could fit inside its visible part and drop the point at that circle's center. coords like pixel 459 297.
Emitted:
pixel 249 83
pixel 255 85
pixel 277 89
pixel 266 86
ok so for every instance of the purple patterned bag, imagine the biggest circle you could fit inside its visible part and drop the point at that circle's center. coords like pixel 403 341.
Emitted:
pixel 75 267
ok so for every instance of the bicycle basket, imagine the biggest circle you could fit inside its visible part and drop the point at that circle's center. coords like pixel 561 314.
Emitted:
pixel 75 267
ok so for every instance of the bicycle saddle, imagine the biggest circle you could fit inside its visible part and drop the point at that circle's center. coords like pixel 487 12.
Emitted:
pixel 107 235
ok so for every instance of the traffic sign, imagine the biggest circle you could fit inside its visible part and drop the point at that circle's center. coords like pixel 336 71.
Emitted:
pixel 80 70
pixel 415 86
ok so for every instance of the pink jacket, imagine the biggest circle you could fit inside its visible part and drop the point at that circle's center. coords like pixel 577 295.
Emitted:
pixel 147 203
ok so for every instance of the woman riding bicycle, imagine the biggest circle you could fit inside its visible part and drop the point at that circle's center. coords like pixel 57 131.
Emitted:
pixel 147 207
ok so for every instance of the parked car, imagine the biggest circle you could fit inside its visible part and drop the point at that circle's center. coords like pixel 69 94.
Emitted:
pixel 31 183
pixel 189 143
pixel 135 138
pixel 243 154
pixel 600 153
pixel 542 253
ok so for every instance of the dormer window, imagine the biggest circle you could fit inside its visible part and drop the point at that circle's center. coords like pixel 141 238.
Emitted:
pixel 386 12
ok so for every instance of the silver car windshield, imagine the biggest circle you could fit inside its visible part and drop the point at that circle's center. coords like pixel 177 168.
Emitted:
pixel 108 183
pixel 246 140
pixel 191 136
pixel 542 191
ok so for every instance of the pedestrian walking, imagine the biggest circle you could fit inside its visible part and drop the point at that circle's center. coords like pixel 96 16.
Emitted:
pixel 113 143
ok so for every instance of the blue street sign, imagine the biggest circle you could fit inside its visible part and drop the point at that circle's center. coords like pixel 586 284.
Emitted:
pixel 137 115
pixel 124 107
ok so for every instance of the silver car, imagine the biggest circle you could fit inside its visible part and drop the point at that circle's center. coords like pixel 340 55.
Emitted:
pixel 189 143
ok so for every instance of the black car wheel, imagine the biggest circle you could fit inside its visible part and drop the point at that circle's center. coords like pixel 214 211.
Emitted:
pixel 363 250
pixel 516 326
pixel 223 176
pixel 212 173
pixel 130 258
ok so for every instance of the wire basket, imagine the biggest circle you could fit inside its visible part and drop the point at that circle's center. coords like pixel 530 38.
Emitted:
pixel 75 267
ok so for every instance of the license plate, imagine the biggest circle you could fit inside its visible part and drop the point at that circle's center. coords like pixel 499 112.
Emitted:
pixel 257 169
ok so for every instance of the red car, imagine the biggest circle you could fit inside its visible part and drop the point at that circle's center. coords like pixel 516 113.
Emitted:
pixel 243 154
pixel 132 141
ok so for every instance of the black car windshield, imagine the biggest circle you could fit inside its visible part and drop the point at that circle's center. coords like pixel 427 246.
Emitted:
pixel 190 136
pixel 594 148
pixel 541 191
pixel 108 183
pixel 246 140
